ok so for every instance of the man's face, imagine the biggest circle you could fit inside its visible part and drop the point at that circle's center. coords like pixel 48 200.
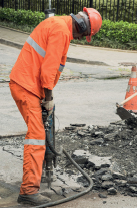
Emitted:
pixel 78 36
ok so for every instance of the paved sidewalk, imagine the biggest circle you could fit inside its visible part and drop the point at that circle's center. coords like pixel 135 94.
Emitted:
pixel 77 53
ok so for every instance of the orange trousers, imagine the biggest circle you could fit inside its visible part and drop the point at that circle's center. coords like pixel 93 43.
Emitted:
pixel 29 106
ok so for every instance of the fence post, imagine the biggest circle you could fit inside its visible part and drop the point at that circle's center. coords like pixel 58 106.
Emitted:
pixel 2 3
pixel 16 5
pixel 28 4
pixel 57 7
pixel 117 10
pixel 73 7
pixel 91 3
pixel 43 6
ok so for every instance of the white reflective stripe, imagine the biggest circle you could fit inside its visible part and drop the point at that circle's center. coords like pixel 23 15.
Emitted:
pixel 133 74
pixel 34 142
pixel 61 67
pixel 128 88
pixel 134 88
pixel 36 47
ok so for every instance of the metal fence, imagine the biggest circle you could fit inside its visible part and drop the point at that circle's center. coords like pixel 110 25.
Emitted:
pixel 114 10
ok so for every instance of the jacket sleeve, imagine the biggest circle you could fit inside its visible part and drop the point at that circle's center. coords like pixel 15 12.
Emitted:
pixel 63 61
pixel 57 48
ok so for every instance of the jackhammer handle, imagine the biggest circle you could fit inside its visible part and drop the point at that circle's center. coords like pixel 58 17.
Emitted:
pixel 129 98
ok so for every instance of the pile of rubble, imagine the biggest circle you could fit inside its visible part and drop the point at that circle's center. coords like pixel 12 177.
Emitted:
pixel 106 153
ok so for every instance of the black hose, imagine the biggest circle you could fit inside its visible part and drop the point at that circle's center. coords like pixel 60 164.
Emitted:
pixel 76 195
pixel 51 146
pixel 77 166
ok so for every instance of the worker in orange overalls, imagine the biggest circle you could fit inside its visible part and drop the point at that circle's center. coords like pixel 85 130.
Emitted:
pixel 32 79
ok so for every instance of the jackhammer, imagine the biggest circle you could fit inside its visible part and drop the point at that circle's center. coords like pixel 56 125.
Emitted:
pixel 50 157
pixel 50 160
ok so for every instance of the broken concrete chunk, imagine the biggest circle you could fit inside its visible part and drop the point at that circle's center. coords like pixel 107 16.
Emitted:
pixel 78 125
pixel 98 133
pixel 120 182
pixel 110 137
pixel 102 171
pixel 110 127
pixel 90 127
pixel 132 180
pixel 107 184
pixel 86 147
pixel 106 177
pixel 81 153
pixel 133 189
pixel 81 133
pixel 117 175
pixel 97 142
pixel 102 196
pixel 80 157
pixel 70 128
pixel 112 191
pixel 99 162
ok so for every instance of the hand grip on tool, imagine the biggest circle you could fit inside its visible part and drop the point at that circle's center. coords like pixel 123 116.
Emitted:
pixel 124 101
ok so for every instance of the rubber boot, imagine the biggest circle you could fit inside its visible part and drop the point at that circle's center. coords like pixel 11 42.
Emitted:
pixel 34 199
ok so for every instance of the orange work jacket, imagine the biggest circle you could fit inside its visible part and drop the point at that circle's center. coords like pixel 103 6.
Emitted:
pixel 43 55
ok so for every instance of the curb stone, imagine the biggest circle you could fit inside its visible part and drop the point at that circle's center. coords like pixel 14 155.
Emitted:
pixel 10 43
pixel 72 60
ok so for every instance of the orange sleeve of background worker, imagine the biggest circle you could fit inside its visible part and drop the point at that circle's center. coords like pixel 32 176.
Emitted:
pixel 54 59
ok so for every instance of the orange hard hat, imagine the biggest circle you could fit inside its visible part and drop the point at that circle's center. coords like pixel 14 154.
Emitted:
pixel 95 21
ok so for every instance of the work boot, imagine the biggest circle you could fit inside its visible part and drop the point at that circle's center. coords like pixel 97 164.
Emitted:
pixel 33 199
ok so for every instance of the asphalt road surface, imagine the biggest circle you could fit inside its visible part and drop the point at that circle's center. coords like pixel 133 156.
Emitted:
pixel 82 95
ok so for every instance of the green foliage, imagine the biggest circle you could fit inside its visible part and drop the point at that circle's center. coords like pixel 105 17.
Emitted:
pixel 21 17
pixel 121 35
pixel 122 32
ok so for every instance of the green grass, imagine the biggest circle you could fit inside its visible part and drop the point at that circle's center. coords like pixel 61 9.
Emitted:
pixel 107 43
pixel 24 28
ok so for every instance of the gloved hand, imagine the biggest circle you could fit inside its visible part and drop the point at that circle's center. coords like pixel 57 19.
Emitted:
pixel 48 105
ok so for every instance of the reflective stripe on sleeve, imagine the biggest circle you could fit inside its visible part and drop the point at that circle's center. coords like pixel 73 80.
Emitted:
pixel 36 47
pixel 61 67
pixel 34 142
